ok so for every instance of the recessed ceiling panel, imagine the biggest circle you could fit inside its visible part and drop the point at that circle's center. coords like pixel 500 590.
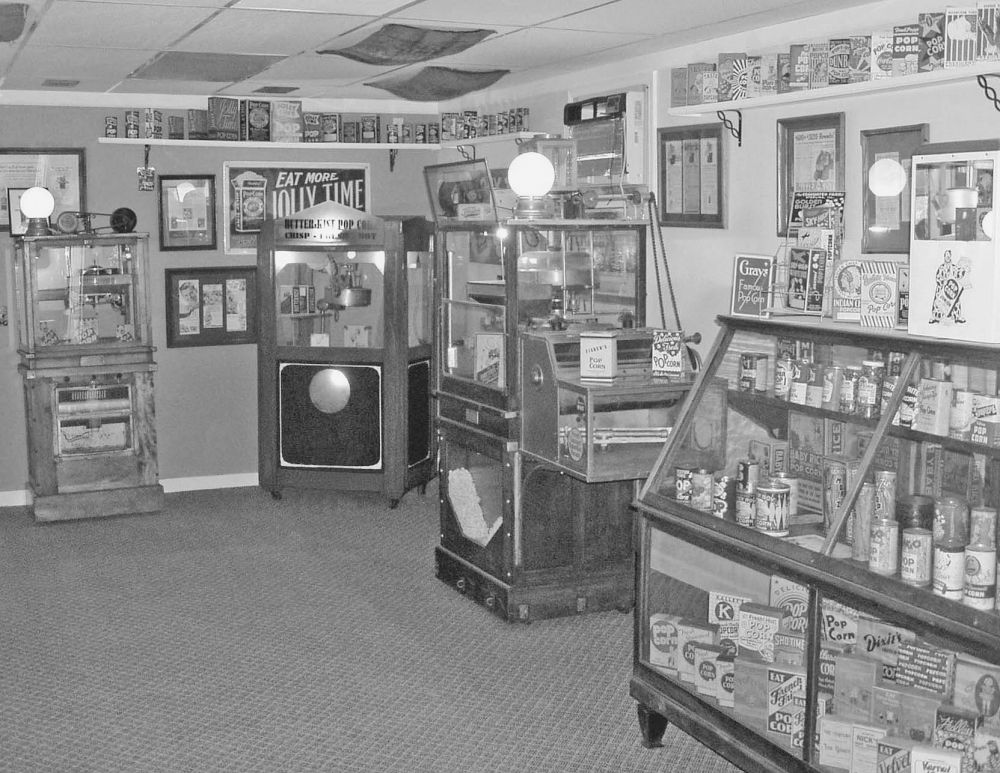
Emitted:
pixel 175 3
pixel 195 88
pixel 523 12
pixel 115 25
pixel 535 47
pixel 36 63
pixel 358 7
pixel 268 32
pixel 313 66
pixel 199 66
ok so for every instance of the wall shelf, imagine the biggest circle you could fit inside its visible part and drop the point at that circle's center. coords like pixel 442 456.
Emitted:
pixel 272 145
pixel 918 80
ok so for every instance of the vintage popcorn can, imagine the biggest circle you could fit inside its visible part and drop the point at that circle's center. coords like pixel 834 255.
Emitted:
pixel 833 375
pixel 745 507
pixel 784 372
pixel 885 494
pixel 787 479
pixel 701 489
pixel 949 570
pixel 960 418
pixel 980 588
pixel 916 557
pixel 849 390
pixel 723 495
pixel 682 482
pixel 814 389
pixel 771 509
pixel 747 474
pixel 884 555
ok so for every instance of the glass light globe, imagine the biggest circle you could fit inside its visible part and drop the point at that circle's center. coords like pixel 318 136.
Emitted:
pixel 886 177
pixel 37 202
pixel 531 174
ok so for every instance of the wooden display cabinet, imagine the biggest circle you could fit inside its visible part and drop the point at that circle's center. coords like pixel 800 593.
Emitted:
pixel 86 358
pixel 815 651
pixel 518 534
pixel 344 352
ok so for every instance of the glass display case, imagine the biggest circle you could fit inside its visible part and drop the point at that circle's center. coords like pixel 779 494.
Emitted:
pixel 817 590
pixel 518 534
pixel 597 430
pixel 82 294
pixel 86 359
pixel 345 344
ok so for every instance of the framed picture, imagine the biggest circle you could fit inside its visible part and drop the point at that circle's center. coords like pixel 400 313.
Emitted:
pixel 16 223
pixel 692 176
pixel 753 286
pixel 211 306
pixel 61 170
pixel 255 192
pixel 461 193
pixel 885 216
pixel 810 158
pixel 187 212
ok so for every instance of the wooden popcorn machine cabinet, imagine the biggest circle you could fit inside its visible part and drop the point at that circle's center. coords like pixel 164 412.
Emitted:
pixel 86 358
pixel 344 352
pixel 519 535
pixel 781 632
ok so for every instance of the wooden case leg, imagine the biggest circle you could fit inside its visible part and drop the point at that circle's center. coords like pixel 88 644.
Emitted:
pixel 652 725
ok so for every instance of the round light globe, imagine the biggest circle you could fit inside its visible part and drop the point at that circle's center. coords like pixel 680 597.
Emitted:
pixel 531 174
pixel 37 202
pixel 886 177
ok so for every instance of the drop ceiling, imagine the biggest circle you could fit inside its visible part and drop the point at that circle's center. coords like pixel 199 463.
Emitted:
pixel 243 47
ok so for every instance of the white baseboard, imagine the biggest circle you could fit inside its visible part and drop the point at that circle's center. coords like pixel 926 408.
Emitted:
pixel 23 498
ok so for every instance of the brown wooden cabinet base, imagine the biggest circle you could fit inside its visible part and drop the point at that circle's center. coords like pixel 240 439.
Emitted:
pixel 98 504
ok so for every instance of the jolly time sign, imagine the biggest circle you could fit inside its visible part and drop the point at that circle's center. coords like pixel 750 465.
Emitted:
pixel 260 192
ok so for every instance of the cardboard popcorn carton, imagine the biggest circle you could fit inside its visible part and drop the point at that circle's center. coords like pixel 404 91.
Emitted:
pixel 287 124
pixel 663 642
pixel 864 747
pixel 852 687
pixel 690 633
pixel 931 52
pixel 977 688
pixel 836 743
pixel 706 668
pixel 786 705
pixel 750 692
pixel 758 623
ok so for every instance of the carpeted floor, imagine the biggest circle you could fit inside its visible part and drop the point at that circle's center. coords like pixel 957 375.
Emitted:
pixel 233 632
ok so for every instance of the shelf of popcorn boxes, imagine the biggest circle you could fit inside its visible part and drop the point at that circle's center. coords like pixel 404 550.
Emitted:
pixel 863 466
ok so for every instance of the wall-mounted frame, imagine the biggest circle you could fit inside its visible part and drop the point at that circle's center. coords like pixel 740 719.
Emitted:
pixel 187 212
pixel 692 176
pixel 16 223
pixel 211 306
pixel 61 170
pixel 885 219
pixel 257 191
pixel 461 193
pixel 810 158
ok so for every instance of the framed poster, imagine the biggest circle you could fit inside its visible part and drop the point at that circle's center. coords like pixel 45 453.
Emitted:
pixel 810 158
pixel 692 176
pixel 461 193
pixel 255 192
pixel 886 175
pixel 16 223
pixel 61 170
pixel 211 306
pixel 187 212
pixel 753 286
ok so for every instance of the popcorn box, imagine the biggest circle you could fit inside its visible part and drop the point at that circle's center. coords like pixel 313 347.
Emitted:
pixel 722 607
pixel 955 728
pixel 864 748
pixel 853 685
pixel 750 692
pixel 663 642
pixel 933 406
pixel 794 599
pixel 689 633
pixel 894 755
pixel 772 455
pixel 757 625
pixel 840 623
pixel 985 751
pixel 927 668
pixel 927 759
pixel 880 641
pixel 789 648
pixel 706 668
pixel 977 688
pixel 726 663
pixel 904 713
pixel 786 705
pixel 599 354
pixel 836 740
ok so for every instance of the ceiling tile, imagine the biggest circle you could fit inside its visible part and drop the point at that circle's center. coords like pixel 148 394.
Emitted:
pixel 319 66
pixel 217 68
pixel 534 47
pixel 166 87
pixel 358 7
pixel 36 63
pixel 522 12
pixel 268 32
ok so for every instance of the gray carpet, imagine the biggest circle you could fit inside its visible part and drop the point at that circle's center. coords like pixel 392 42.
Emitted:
pixel 233 632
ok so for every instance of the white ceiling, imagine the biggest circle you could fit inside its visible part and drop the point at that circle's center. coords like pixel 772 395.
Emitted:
pixel 105 45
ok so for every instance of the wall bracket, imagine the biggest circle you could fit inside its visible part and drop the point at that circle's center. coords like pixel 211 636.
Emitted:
pixel 737 129
pixel 988 90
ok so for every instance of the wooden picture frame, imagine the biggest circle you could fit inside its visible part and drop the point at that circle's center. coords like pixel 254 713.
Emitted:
pixel 187 212
pixel 61 170
pixel 886 220
pixel 461 193
pixel 16 222
pixel 211 306
pixel 692 176
pixel 810 158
